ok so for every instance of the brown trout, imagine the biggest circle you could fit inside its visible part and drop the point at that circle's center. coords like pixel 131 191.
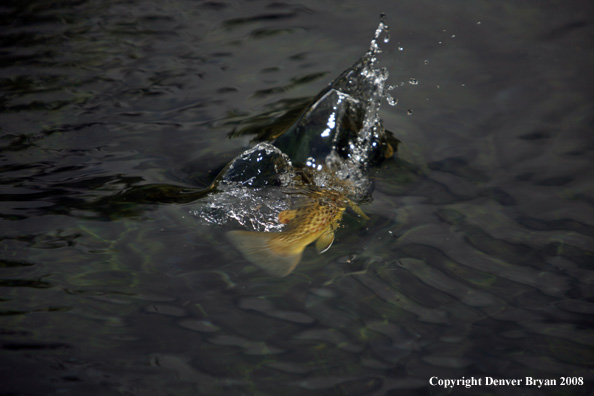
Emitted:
pixel 278 253
pixel 328 149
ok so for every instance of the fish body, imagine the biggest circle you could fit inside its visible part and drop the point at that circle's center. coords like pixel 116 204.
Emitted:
pixel 316 220
pixel 324 153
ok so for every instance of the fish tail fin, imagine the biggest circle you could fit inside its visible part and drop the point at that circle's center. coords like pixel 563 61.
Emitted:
pixel 257 247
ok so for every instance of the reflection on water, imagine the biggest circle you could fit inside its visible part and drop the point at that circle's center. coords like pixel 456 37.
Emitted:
pixel 477 260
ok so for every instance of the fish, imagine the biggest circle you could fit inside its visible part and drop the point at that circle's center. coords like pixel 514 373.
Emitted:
pixel 316 220
pixel 324 153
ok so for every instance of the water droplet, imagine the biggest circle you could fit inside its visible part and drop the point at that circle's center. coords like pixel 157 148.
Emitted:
pixel 391 100
pixel 426 61
pixel 453 36
pixel 413 81
pixel 400 48
pixel 409 112
pixel 478 23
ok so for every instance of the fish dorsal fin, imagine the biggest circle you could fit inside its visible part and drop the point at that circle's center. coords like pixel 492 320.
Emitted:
pixel 325 241
pixel 257 248
pixel 286 215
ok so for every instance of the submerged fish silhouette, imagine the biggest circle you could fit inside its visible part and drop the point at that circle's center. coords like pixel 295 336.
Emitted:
pixel 278 253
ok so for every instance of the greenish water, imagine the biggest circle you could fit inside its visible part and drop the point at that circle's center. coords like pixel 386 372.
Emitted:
pixel 477 260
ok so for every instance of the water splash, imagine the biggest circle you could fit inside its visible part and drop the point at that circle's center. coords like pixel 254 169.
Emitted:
pixel 382 31
pixel 249 208
pixel 332 143
pixel 344 118
pixel 250 191
pixel 264 165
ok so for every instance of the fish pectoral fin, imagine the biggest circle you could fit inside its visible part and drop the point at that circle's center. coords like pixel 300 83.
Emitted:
pixel 286 215
pixel 325 241
pixel 389 151
pixel 257 248
pixel 358 210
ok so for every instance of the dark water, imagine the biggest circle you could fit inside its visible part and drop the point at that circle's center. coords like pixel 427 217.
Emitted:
pixel 477 261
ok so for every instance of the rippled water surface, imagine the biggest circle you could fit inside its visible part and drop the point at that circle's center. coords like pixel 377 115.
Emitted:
pixel 477 260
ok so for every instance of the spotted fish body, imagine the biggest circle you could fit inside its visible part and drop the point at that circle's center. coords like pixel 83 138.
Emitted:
pixel 278 253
